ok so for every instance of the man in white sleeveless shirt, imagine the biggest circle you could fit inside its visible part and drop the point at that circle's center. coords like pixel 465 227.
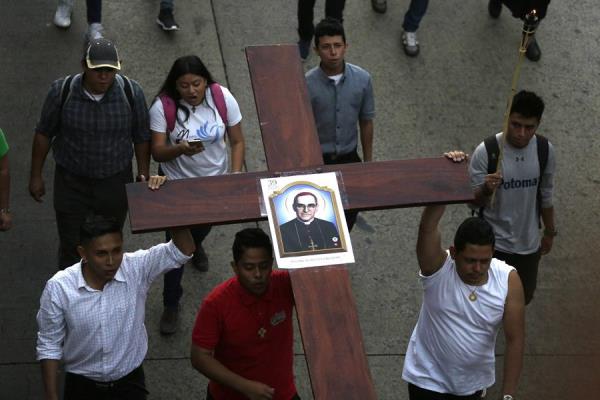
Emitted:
pixel 468 296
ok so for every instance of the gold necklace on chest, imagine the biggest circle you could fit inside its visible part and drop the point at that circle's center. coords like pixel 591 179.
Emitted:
pixel 261 319
pixel 473 295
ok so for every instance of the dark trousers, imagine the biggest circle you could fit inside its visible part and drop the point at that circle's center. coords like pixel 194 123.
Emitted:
pixel 209 396
pixel 348 158
pixel 172 290
pixel 131 387
pixel 520 8
pixel 94 11
pixel 417 393
pixel 527 267
pixel 76 197
pixel 306 28
pixel 414 15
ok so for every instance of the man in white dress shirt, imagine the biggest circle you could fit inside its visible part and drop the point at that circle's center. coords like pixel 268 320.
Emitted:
pixel 92 314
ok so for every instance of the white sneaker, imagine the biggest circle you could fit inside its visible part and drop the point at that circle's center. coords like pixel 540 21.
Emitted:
pixel 62 16
pixel 95 31
pixel 410 43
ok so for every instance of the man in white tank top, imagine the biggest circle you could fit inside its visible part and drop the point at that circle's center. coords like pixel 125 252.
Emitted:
pixel 468 296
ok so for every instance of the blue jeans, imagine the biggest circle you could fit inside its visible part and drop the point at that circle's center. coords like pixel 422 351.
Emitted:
pixel 94 11
pixel 172 290
pixel 167 4
pixel 416 11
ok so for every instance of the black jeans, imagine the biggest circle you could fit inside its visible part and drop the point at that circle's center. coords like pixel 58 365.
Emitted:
pixel 94 11
pixel 306 28
pixel 521 7
pixel 172 290
pixel 417 393
pixel 527 267
pixel 352 157
pixel 209 396
pixel 130 387
pixel 76 197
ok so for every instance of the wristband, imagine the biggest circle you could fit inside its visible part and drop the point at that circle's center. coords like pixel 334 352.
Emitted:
pixel 507 397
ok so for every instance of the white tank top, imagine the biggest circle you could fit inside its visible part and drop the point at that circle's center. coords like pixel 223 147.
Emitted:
pixel 451 349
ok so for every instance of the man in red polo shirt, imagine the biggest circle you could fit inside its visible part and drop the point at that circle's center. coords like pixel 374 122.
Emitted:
pixel 243 336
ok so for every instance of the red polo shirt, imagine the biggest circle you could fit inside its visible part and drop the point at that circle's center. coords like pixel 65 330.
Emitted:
pixel 250 335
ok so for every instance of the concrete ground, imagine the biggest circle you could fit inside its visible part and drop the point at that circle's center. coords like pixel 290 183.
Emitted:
pixel 451 96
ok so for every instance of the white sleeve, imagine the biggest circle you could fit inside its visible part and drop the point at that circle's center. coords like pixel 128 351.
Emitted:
pixel 234 116
pixel 158 122
pixel 151 263
pixel 51 325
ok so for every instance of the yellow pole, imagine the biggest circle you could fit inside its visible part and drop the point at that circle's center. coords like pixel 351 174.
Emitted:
pixel 529 26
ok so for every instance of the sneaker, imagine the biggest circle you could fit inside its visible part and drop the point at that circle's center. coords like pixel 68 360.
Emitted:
pixel 410 43
pixel 200 259
pixel 95 31
pixel 169 320
pixel 167 21
pixel 379 6
pixel 62 16
pixel 495 8
pixel 304 47
pixel 533 52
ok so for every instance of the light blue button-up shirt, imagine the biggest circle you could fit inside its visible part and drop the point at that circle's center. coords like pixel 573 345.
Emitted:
pixel 338 108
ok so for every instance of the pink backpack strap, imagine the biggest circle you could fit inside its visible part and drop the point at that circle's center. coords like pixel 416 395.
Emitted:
pixel 219 99
pixel 170 111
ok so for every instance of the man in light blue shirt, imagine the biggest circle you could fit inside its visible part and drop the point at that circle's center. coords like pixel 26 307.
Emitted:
pixel 341 95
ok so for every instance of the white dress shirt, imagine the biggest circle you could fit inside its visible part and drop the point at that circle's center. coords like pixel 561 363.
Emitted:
pixel 100 334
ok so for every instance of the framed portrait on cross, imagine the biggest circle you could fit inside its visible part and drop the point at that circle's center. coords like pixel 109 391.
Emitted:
pixel 306 219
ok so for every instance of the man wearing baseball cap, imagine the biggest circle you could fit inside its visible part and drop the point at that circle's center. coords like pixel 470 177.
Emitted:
pixel 94 121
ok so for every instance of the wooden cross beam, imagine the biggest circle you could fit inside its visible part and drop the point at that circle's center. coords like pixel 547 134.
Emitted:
pixel 325 306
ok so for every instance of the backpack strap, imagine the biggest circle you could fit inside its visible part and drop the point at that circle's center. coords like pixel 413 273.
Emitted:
pixel 125 85
pixel 65 90
pixel 65 93
pixel 219 100
pixel 493 152
pixel 542 153
pixel 170 111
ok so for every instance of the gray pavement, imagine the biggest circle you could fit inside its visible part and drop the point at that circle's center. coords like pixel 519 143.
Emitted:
pixel 451 96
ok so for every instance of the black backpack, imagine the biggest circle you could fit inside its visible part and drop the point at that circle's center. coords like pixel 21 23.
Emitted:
pixel 122 81
pixel 493 151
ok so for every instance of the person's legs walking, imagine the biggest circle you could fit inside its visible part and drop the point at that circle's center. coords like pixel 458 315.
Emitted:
pixel 527 266
pixel 62 16
pixel 412 19
pixel 94 18
pixel 72 203
pixel 306 28
pixel 335 9
pixel 165 19
pixel 200 259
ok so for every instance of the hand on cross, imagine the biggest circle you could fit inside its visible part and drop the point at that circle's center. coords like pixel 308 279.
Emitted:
pixel 457 156
pixel 155 181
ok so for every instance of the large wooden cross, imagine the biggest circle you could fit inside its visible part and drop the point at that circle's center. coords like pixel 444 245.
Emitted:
pixel 325 306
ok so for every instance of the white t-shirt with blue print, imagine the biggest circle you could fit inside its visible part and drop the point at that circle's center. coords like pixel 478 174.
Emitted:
pixel 204 124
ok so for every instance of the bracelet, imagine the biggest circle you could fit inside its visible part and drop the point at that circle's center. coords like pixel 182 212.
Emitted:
pixel 550 232
pixel 507 397
pixel 4 210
